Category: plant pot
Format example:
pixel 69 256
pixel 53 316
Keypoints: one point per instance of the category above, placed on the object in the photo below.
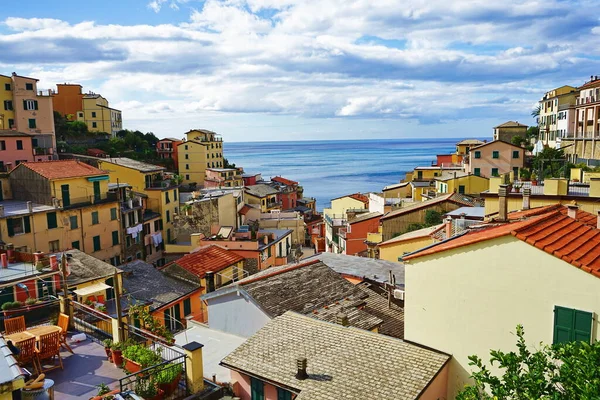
pixel 131 366
pixel 534 182
pixel 108 353
pixel 104 396
pixel 117 356
pixel 169 388
pixel 158 396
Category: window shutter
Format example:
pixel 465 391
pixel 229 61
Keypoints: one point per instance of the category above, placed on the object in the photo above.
pixel 563 320
pixel 27 224
pixel 582 326
pixel 9 226
pixel 187 307
pixel 24 104
pixel 35 104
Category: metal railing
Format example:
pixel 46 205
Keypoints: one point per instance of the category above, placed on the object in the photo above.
pixel 93 323
pixel 43 312
pixel 87 200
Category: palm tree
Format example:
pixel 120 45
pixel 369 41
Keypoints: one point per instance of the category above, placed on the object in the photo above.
pixel 535 113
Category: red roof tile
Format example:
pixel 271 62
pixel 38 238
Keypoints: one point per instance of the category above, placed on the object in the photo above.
pixel 63 169
pixel 210 258
pixel 244 210
pixel 284 181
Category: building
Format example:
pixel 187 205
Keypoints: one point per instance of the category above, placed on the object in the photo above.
pixel 295 356
pixel 352 238
pixel 12 378
pixel 263 195
pixel 153 236
pixel 167 149
pixel 394 248
pixel 464 146
pixel 201 149
pixel 68 100
pixel 148 179
pixel 28 110
pixel 58 205
pixel 222 177
pixel 200 214
pixel 550 114
pixel 288 192
pixel 456 283
pixel 251 179
pixel 131 215
pixel 496 158
pixel 462 183
pixel 211 267
pixel 508 130
pixel 169 298
pixel 17 147
pixel 336 217
pixel 285 220
pixel 310 288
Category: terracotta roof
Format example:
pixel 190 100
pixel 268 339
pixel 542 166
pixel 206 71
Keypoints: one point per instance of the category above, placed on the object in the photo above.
pixel 592 83
pixel 285 181
pixel 355 196
pixel 209 258
pixel 572 240
pixel 244 210
pixel 470 141
pixel 498 141
pixel 460 199
pixel 62 169
pixel 510 124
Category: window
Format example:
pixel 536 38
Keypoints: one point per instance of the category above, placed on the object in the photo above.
pixel 113 214
pixel 51 219
pixel 283 394
pixel 572 325
pixel 96 240
pixel 94 125
pixel 19 145
pixel 257 389
pixel 73 222
pixel 187 177
pixel 8 105
pixel 93 114
pixel 167 200
pixel 95 219
pixel 168 216
pixel 75 245
pixel 187 307
pixel 208 165
pixel 477 154
pixel 54 246
pixel 32 124
pixel 461 189
pixel 187 166
pixel 29 86
pixel 495 172
pixel 7 86
pixel 516 172
pixel 477 172
pixel 175 194
pixel 18 226
pixel 186 146
pixel 115 238
pixel 516 153
pixel 80 115
pixel 187 156
pixel 128 241
pixel 495 154
pixel 11 123
pixel 2 145
pixel 34 142
pixel 269 251
pixel 30 105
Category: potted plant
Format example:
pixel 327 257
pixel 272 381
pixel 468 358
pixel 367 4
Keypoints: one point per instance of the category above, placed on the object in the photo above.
pixel 138 357
pixel 11 308
pixel 168 378
pixel 130 199
pixel 107 345
pixel 30 301
pixel 105 393
pixel 534 177
pixel 117 353
pixel 101 308
pixel 147 389
pixel 517 187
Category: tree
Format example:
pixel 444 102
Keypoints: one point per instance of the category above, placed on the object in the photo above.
pixel 226 164
pixel 550 162
pixel 535 113
pixel 560 372
pixel 518 140
pixel 432 217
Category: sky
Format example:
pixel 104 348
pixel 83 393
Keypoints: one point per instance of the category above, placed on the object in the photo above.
pixel 261 70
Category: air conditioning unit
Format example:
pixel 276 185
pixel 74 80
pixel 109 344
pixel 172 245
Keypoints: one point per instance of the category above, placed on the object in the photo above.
pixel 399 294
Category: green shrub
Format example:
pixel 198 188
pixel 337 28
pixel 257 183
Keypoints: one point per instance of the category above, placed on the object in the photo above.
pixel 11 305
pixel 142 355
pixel 169 373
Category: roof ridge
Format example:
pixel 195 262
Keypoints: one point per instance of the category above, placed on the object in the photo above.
pixel 278 272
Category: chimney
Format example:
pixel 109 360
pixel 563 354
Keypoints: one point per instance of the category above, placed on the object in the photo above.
pixel 210 281
pixel 448 227
pixel 29 207
pixel 572 210
pixel 502 202
pixel 526 198
pixel 301 363
pixel 4 258
pixel 341 319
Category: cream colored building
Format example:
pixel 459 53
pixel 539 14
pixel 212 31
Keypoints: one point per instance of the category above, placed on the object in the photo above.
pixel 98 116
pixel 549 118
pixel 202 149
pixel 466 295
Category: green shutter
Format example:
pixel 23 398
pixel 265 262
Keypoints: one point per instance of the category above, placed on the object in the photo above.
pixel 96 243
pixel 35 104
pixel 283 394
pixel 115 237
pixel 27 224
pixel 95 218
pixel 582 326
pixel 572 325
pixel 187 307
pixel 24 104
pixel 477 171
pixel 113 214
pixel 257 389
pixel 177 309
pixel 9 226
pixel 167 317
pixel 51 219
pixel 75 245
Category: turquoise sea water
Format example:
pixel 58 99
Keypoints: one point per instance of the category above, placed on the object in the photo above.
pixel 333 168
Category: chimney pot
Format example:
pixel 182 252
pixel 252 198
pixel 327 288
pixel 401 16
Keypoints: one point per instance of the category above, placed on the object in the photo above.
pixel 342 319
pixel 301 363
pixel 502 202
pixel 210 281
pixel 526 198
pixel 572 210
pixel 448 227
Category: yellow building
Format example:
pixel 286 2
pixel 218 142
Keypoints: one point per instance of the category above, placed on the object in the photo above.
pixel 336 217
pixel 468 294
pixel 464 146
pixel 549 109
pixel 202 149
pixel 462 183
pixel 263 195
pixel 98 116
pixel 7 113
pixel 392 249
pixel 149 179
pixel 58 205
pixel 508 130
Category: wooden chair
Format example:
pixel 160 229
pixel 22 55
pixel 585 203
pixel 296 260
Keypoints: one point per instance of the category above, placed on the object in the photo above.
pixel 63 323
pixel 27 353
pixel 14 325
pixel 49 348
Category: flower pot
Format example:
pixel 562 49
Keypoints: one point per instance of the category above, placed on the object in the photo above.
pixel 158 396
pixel 534 182
pixel 117 356
pixel 132 366
pixel 169 388
pixel 107 395
pixel 108 353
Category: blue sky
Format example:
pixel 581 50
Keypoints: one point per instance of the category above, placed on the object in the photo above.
pixel 258 70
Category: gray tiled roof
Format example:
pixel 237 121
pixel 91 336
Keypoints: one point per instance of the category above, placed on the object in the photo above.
pixel 9 369
pixel 261 190
pixel 85 268
pixel 134 164
pixel 343 362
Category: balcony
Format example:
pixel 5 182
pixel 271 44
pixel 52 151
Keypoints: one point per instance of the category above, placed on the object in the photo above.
pixel 78 202
pixel 40 151
pixel 165 150
pixel 336 220
pixel 131 204
pixel 166 184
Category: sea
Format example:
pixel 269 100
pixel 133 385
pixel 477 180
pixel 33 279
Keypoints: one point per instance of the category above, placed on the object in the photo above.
pixel 332 168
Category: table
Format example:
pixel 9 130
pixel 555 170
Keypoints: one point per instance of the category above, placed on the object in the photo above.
pixel 32 332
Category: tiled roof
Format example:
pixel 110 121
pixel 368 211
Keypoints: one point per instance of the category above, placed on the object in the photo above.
pixel 134 164
pixel 419 233
pixel 284 181
pixel 456 198
pixel 498 141
pixel 572 240
pixel 510 124
pixel 365 216
pixel 356 196
pixel 244 210
pixel 261 190
pixel 9 368
pixel 209 258
pixel 470 142
pixel 342 362
pixel 591 83
pixel 62 169
pixel 395 186
pixel 13 133
pixel 85 268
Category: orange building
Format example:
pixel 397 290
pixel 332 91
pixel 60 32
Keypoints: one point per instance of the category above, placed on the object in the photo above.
pixel 68 100
pixel 353 237
pixel 167 149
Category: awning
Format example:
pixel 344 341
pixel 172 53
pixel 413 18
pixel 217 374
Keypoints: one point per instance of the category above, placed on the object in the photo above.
pixel 95 288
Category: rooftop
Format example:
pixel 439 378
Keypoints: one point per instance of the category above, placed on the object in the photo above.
pixel 439 168
pixel 420 183
pixel 287 182
pixel 470 142
pixel 449 175
pixel 395 186
pixel 222 169
pixel 261 190
pixel 396 369
pixel 146 283
pixel 13 133
pixel 62 169
pixel 365 216
pixel 14 208
pixel 500 142
pixel 460 199
pixel 511 124
pixel 9 369
pixel 469 212
pixel 85 268
pixel 417 234
pixel 207 258
pixel 134 164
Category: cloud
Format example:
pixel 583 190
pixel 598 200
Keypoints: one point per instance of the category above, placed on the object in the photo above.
pixel 416 61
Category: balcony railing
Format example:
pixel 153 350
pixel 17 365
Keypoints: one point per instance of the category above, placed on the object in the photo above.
pixel 87 200
pixel 160 184
pixel 40 151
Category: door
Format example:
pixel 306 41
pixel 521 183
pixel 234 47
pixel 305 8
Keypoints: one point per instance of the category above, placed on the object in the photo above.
pixel 66 196
pixel 110 293
pixel 177 321
pixel 96 191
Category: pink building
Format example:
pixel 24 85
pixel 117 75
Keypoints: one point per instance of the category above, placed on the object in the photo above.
pixel 17 147
pixel 222 177
pixel 495 158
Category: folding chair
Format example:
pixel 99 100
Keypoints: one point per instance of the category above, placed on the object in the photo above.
pixel 49 348
pixel 14 325
pixel 27 353
pixel 63 323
